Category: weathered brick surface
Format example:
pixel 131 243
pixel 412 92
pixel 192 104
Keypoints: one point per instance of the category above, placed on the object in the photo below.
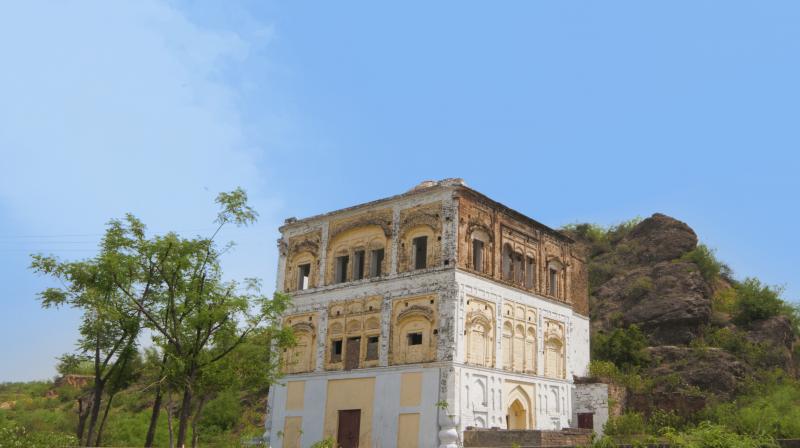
pixel 495 438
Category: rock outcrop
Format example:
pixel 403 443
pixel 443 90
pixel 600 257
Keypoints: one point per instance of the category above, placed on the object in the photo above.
pixel 640 276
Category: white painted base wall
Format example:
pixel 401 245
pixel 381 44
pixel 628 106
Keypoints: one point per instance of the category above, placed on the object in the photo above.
pixel 386 406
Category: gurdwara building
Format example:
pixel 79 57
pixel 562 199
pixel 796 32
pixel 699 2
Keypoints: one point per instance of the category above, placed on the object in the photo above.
pixel 422 314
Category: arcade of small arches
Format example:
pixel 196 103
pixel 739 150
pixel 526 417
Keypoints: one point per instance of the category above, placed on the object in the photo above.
pixel 353 338
pixel 361 248
pixel 519 346
pixel 519 261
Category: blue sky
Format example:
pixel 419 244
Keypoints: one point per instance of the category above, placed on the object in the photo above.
pixel 566 111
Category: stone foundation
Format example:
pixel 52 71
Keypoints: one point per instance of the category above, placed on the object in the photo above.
pixel 501 438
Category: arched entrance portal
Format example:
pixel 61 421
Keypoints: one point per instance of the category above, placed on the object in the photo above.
pixel 517 416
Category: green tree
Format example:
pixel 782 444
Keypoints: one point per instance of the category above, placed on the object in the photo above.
pixel 624 347
pixel 173 286
pixel 108 326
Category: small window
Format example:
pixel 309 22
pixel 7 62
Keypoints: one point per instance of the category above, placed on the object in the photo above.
pixel 553 282
pixel 519 273
pixel 340 274
pixel 336 351
pixel 414 338
pixel 506 263
pixel 303 275
pixel 358 265
pixel 530 273
pixel 420 245
pixel 372 348
pixel 376 263
pixel 477 255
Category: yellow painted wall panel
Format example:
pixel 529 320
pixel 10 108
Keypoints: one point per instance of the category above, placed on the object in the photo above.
pixel 411 389
pixel 295 395
pixel 292 432
pixel 408 431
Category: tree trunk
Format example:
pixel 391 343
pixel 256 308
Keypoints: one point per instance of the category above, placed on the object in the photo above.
pixel 103 421
pixel 169 421
pixel 151 431
pixel 195 434
pixel 96 401
pixel 183 419
pixel 83 414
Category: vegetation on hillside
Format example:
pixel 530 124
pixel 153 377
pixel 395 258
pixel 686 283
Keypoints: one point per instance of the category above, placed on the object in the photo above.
pixel 749 321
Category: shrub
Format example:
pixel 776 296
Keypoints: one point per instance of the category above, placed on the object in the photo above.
pixel 222 413
pixel 705 260
pixel 724 300
pixel 639 288
pixel 771 406
pixel 327 442
pixel 709 435
pixel 624 347
pixel 19 437
pixel 627 424
pixel 756 301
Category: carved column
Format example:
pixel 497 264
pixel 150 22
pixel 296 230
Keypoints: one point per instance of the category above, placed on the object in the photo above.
pixel 448 411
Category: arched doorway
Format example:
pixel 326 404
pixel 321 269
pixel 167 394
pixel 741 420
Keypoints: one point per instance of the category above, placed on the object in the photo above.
pixel 517 416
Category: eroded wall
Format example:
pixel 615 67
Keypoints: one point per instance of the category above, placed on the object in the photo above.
pixel 520 253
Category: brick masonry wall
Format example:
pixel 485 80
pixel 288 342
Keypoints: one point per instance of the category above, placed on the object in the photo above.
pixel 492 438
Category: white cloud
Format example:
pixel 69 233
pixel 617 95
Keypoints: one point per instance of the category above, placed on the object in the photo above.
pixel 109 107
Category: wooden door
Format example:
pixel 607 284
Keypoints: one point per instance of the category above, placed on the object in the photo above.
pixel 352 354
pixel 349 427
pixel 586 420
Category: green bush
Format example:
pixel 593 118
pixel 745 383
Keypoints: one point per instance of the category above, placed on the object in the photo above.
pixel 771 406
pixel 756 301
pixel 20 437
pixel 710 268
pixel 709 435
pixel 639 288
pixel 627 424
pixel 623 346
pixel 222 413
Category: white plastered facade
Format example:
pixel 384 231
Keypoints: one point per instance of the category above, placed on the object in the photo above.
pixel 454 395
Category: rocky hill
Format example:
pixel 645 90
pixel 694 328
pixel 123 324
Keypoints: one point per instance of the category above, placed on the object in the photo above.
pixel 666 311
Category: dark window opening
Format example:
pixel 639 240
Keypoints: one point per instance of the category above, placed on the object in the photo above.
pixel 376 263
pixel 372 348
pixel 530 276
pixel 358 265
pixel 340 273
pixel 420 245
pixel 303 276
pixel 553 282
pixel 518 272
pixel 506 263
pixel 477 255
pixel 414 338
pixel 336 351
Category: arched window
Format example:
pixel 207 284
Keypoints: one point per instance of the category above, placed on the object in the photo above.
pixel 300 357
pixel 356 253
pixel 480 244
pixel 506 264
pixel 519 349
pixel 413 337
pixel 530 272
pixel 554 358
pixel 530 351
pixel 508 335
pixel 479 341
pixel 554 286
